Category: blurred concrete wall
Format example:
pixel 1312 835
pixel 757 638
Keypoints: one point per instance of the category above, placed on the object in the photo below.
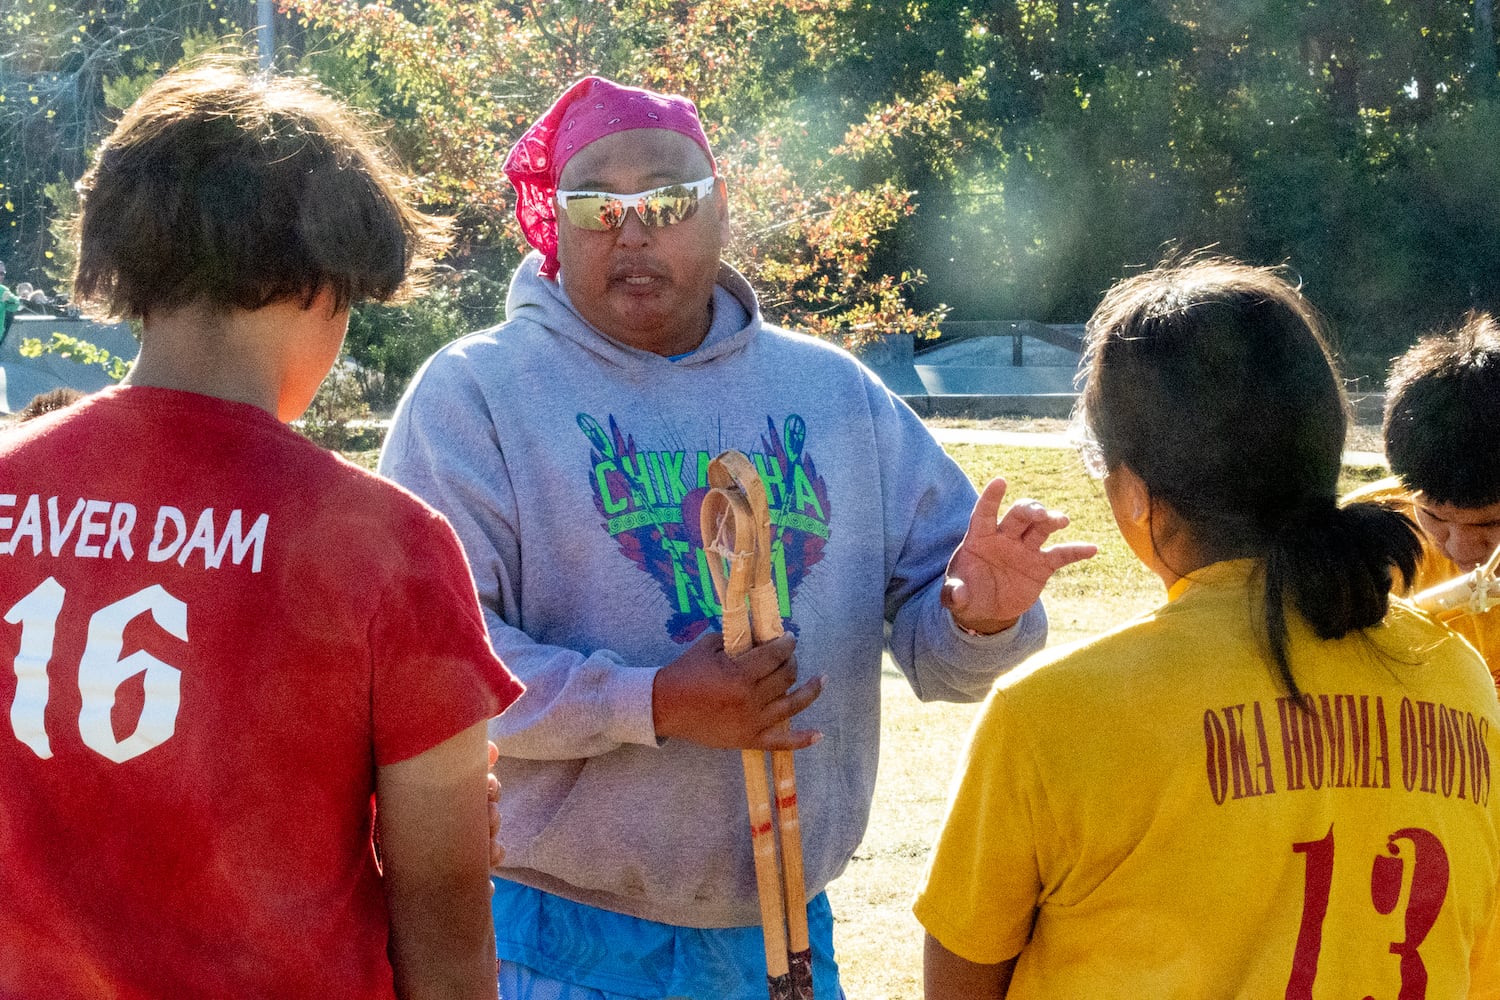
pixel 22 378
pixel 983 369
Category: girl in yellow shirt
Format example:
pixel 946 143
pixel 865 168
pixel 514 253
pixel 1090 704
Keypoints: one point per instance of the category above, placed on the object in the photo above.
pixel 1279 783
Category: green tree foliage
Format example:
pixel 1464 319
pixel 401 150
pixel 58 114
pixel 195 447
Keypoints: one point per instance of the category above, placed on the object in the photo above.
pixel 1021 154
pixel 1349 138
pixel 338 416
pixel 389 343
pixel 463 80
pixel 76 349
pixel 63 67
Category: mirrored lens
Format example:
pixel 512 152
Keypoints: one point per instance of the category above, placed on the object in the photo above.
pixel 594 211
pixel 667 206
pixel 663 206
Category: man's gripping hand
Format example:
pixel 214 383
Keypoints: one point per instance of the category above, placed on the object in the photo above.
pixel 492 796
pixel 738 703
pixel 1000 567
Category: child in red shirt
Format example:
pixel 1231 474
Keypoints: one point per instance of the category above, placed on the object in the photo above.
pixel 223 639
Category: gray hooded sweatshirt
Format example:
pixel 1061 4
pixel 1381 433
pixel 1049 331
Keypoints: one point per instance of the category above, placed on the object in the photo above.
pixel 565 461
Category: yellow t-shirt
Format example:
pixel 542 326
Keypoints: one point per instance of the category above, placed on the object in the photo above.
pixel 1482 631
pixel 1148 815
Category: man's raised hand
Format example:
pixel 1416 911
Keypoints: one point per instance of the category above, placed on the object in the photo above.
pixel 1001 565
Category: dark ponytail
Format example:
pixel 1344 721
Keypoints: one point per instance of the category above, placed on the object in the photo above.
pixel 1212 382
pixel 1334 565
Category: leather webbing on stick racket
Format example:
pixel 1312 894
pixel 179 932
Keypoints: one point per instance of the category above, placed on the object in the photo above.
pixel 738 496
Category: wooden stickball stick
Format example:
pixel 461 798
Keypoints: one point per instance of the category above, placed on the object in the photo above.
pixel 779 984
pixel 789 827
pixel 1474 592
pixel 738 495
pixel 729 537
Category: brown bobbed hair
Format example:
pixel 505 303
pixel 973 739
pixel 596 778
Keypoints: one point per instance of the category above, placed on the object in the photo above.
pixel 1441 403
pixel 1212 381
pixel 222 189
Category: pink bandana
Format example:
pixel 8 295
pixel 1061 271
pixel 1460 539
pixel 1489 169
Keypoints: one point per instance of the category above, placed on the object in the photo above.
pixel 590 109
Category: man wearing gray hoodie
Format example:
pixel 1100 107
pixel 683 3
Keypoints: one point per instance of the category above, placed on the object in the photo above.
pixel 565 444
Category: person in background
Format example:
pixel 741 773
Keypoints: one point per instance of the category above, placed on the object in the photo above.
pixel 10 304
pixel 1441 399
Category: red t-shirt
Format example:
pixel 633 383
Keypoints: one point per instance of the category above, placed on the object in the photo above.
pixel 211 634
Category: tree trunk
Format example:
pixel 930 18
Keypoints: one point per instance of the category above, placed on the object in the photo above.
pixel 1484 47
